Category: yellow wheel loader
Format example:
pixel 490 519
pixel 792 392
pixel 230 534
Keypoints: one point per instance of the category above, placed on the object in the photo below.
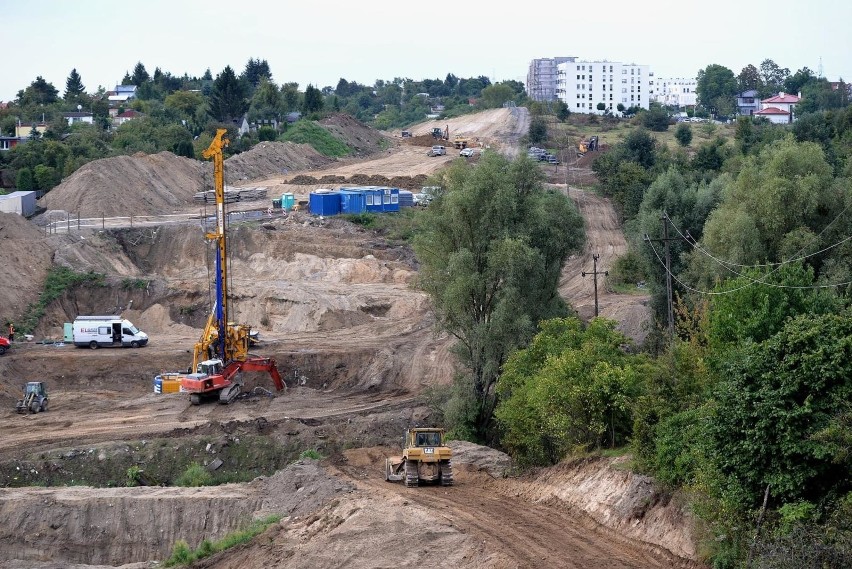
pixel 34 400
pixel 425 458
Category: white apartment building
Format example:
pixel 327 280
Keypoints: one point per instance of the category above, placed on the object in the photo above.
pixel 541 78
pixel 582 85
pixel 676 92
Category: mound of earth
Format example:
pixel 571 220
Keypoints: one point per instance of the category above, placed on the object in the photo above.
pixel 271 158
pixel 363 139
pixel 142 184
pixel 403 182
pixel 27 257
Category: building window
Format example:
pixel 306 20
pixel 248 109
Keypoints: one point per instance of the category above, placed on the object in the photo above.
pixel 624 72
pixel 578 77
pixel 610 98
pixel 631 97
pixel 590 68
pixel 584 68
pixel 632 70
pixel 578 105
pixel 610 70
pixel 624 89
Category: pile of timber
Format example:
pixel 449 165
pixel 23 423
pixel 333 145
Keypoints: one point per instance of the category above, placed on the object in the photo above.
pixel 233 195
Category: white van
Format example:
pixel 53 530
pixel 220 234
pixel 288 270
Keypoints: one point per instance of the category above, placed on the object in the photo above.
pixel 107 331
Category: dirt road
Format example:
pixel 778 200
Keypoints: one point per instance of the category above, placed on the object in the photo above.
pixel 604 238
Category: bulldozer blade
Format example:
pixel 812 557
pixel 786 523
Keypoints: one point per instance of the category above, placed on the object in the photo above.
pixel 394 471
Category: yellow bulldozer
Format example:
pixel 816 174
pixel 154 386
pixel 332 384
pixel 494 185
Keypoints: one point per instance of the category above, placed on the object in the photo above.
pixel 461 142
pixel 425 458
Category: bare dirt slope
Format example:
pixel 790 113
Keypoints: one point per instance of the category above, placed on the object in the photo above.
pixel 26 258
pixel 337 308
pixel 604 238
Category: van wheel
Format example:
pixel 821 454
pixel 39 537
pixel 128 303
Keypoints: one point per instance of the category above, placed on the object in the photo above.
pixel 93 345
pixel 2 350
pixel 134 344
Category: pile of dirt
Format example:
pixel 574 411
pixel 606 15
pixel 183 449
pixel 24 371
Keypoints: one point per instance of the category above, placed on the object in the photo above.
pixel 272 158
pixel 402 182
pixel 358 136
pixel 426 140
pixel 142 184
pixel 26 257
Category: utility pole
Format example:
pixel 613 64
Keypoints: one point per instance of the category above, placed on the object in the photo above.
pixel 595 273
pixel 666 240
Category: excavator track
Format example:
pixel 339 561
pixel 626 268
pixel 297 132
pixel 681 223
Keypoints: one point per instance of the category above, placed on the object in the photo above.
pixel 446 473
pixel 412 477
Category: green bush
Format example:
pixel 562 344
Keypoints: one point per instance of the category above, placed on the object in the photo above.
pixel 194 475
pixel 683 134
pixel 311 454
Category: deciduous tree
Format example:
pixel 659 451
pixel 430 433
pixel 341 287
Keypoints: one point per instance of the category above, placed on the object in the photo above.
pixel 716 83
pixel 491 252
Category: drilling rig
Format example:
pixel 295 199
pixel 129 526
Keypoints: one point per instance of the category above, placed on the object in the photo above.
pixel 222 353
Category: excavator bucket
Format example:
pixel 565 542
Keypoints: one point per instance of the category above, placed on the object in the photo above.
pixel 394 469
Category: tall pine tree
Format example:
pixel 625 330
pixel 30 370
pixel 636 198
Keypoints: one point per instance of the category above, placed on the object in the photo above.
pixel 74 89
pixel 227 101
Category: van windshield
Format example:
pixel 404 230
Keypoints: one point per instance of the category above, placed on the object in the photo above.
pixel 128 326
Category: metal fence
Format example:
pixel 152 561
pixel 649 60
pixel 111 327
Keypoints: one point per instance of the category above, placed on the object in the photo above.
pixel 75 224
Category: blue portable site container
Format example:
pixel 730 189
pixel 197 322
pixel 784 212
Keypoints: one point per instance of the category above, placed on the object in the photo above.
pixel 288 200
pixel 352 201
pixel 390 199
pixel 324 203
pixel 373 196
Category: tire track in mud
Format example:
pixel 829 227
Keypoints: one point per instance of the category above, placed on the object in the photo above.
pixel 547 534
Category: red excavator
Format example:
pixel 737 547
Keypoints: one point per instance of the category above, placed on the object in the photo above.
pixel 221 355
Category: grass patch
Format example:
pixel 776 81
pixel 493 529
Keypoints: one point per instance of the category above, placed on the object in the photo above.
pixel 182 554
pixel 309 132
pixel 128 284
pixel 311 454
pixel 195 475
pixel 58 280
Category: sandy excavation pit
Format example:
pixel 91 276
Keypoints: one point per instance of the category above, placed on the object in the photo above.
pixel 337 308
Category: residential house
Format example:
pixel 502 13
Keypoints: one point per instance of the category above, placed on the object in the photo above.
pixel 748 103
pixel 8 142
pixel 78 118
pixel 23 130
pixel 121 95
pixel 127 115
pixel 779 109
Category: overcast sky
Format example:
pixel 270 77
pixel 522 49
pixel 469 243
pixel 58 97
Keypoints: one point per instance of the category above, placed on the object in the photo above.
pixel 318 42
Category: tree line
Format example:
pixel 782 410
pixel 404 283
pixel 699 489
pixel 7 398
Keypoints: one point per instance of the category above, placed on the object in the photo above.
pixel 181 113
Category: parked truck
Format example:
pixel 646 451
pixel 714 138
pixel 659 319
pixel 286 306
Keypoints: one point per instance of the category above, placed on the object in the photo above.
pixel 107 331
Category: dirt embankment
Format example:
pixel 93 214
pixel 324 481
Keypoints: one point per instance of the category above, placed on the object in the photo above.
pixel 26 257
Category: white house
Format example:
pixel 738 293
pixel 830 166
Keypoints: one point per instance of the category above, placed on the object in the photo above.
pixel 779 109
pixel 78 118
pixel 676 91
pixel 583 85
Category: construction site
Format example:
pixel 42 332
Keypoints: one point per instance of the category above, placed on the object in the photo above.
pixel 344 355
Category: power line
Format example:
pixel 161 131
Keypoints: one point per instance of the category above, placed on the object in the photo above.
pixel 751 282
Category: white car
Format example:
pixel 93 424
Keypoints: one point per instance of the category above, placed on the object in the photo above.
pixel 467 152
